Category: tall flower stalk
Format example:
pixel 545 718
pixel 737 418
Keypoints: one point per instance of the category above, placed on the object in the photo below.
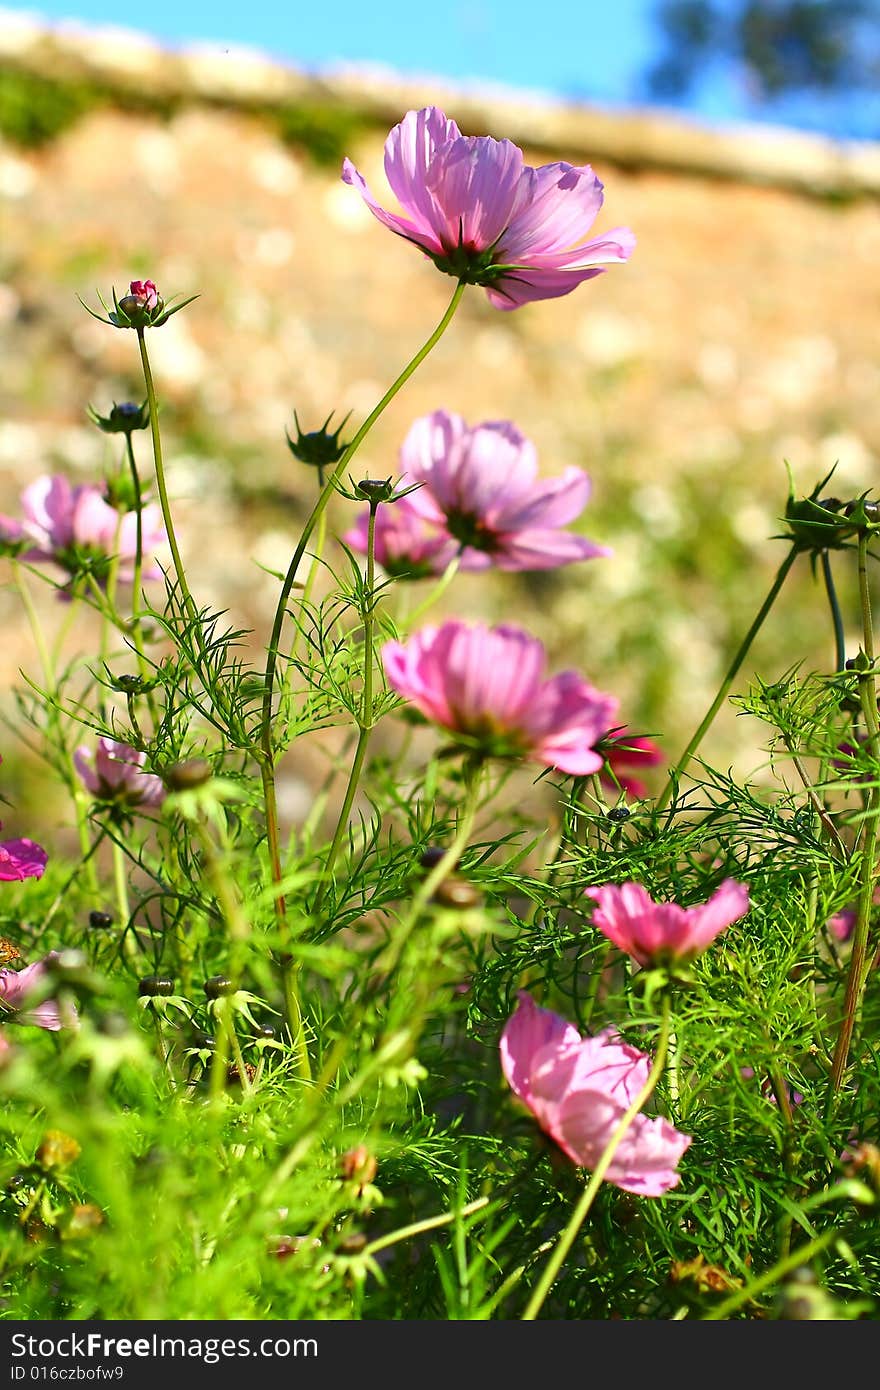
pixel 730 675
pixel 266 754
pixel 858 966
pixel 161 487
pixel 377 492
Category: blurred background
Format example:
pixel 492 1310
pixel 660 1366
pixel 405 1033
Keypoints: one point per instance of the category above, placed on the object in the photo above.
pixel 736 139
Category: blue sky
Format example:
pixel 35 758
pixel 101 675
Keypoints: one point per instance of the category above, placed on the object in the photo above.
pixel 590 50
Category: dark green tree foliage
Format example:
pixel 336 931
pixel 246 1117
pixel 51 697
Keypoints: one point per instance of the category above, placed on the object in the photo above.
pixel 783 46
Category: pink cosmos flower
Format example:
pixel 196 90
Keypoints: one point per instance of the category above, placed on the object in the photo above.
pixel 483 215
pixel 406 545
pixel 579 1089
pixel 145 292
pixel 17 985
pixel 480 494
pixel 113 773
pixel 660 933
pixel 623 750
pixel 76 527
pixel 20 859
pixel 488 685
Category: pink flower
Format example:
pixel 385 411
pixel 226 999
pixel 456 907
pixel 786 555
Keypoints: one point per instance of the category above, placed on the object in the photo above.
pixel 623 750
pixel 17 985
pixel 76 528
pixel 483 215
pixel 488 685
pixel 406 545
pixel 660 933
pixel 113 773
pixel 579 1089
pixel 480 494
pixel 20 859
pixel 145 292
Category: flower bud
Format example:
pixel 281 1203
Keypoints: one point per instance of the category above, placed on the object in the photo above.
pixel 8 951
pixel 195 772
pixel 375 490
pixel 123 418
pixel 57 1149
pixel 456 892
pixel 318 448
pixel 358 1165
pixel 216 985
pixel 352 1244
pixel 151 985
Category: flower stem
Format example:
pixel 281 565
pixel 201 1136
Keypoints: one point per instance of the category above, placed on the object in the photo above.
pixel 858 972
pixel 836 615
pixel 729 677
pixel 365 723
pixel 265 753
pixel 265 732
pixel 160 480
pixel 431 1223
pixel 567 1239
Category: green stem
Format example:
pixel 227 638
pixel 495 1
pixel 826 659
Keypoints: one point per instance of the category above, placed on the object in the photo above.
pixel 836 615
pixel 567 1239
pixel 123 907
pixel 431 1223
pixel 265 733
pixel 160 481
pixel 309 586
pixel 139 539
pixel 858 970
pixel 729 677
pixel 365 723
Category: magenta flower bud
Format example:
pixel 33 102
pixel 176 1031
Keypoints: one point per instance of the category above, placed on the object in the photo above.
pixel 488 685
pixel 482 214
pixel 579 1089
pixel 113 773
pixel 658 934
pixel 145 292
pixel 17 986
pixel 478 492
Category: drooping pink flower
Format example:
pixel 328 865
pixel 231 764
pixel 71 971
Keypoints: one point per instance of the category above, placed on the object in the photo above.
pixel 487 685
pixel 482 214
pixel 145 292
pixel 17 985
pixel 579 1089
pixel 623 750
pixel 663 933
pixel 113 773
pixel 78 529
pixel 479 492
pixel 21 859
